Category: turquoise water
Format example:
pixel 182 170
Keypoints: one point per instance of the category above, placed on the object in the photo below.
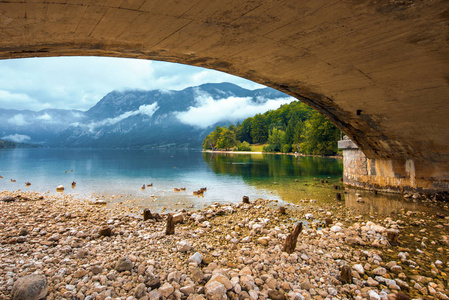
pixel 106 173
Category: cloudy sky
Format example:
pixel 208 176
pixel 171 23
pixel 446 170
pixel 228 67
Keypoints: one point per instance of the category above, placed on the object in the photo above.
pixel 80 82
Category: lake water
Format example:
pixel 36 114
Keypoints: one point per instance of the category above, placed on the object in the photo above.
pixel 100 173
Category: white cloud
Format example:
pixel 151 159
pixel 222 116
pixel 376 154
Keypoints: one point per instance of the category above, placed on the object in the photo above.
pixel 45 117
pixel 18 138
pixel 80 82
pixel 209 111
pixel 16 99
pixel 147 110
pixel 18 120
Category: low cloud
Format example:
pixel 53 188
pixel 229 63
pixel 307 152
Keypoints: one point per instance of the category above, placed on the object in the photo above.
pixel 18 120
pixel 80 82
pixel 209 111
pixel 147 110
pixel 17 138
pixel 45 117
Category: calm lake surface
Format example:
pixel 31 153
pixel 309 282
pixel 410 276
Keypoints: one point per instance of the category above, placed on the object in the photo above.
pixel 103 173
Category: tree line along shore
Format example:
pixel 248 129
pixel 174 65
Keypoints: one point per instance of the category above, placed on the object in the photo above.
pixel 293 128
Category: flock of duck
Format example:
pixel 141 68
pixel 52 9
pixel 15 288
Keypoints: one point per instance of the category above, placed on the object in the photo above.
pixel 60 188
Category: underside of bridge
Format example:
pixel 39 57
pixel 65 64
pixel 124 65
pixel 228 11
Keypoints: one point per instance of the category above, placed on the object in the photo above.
pixel 379 69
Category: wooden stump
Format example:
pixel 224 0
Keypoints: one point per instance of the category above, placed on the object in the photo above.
pixel 393 236
pixel 246 199
pixel 290 242
pixel 282 210
pixel 338 196
pixel 170 225
pixel 147 215
pixel 346 274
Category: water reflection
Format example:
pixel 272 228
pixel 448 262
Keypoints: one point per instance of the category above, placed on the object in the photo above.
pixel 256 166
pixel 368 202
pixel 291 177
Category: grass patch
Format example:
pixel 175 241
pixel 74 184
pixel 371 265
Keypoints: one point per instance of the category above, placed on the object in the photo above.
pixel 257 147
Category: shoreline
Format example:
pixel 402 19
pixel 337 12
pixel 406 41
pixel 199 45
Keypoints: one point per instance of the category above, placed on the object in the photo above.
pixel 240 246
pixel 277 153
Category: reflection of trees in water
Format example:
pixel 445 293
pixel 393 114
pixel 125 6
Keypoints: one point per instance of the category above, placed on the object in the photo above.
pixel 259 166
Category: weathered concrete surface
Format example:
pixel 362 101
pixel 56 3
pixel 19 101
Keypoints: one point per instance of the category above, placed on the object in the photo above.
pixel 389 175
pixel 377 69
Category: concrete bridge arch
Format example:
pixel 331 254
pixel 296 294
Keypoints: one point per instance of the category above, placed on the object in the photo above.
pixel 378 69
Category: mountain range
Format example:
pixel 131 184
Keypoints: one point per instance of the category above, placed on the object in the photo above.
pixel 141 119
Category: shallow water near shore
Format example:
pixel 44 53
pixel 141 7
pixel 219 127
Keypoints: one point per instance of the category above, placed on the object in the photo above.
pixel 121 173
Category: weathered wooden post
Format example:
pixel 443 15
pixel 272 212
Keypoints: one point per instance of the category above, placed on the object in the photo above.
pixel 147 214
pixel 170 225
pixel 282 210
pixel 290 242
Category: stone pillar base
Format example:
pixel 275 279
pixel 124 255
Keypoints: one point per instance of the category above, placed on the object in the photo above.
pixel 388 175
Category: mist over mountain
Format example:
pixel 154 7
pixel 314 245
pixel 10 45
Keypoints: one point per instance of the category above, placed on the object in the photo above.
pixel 41 127
pixel 142 119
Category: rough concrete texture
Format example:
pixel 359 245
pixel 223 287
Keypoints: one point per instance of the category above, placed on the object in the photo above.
pixel 378 69
pixel 390 175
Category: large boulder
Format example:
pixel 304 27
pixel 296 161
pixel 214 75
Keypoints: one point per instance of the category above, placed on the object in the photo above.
pixel 31 287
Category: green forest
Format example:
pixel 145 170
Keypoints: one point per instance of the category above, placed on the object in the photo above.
pixel 11 145
pixel 293 127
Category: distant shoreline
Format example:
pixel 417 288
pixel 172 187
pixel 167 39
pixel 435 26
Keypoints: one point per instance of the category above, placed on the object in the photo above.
pixel 278 153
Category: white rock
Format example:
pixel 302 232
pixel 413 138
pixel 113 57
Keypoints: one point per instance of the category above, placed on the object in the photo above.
pixel 196 258
pixel 331 291
pixel 359 268
pixel 183 246
pixel 336 228
pixel 246 239
pixel 373 295
pixel 178 218
pixel 308 216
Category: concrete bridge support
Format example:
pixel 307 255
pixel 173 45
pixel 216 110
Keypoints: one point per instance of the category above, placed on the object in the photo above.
pixel 391 175
pixel 378 69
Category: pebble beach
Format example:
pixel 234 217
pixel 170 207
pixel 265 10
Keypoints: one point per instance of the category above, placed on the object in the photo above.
pixel 61 247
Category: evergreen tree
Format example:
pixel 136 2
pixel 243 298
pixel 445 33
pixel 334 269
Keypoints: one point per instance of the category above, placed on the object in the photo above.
pixel 259 129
